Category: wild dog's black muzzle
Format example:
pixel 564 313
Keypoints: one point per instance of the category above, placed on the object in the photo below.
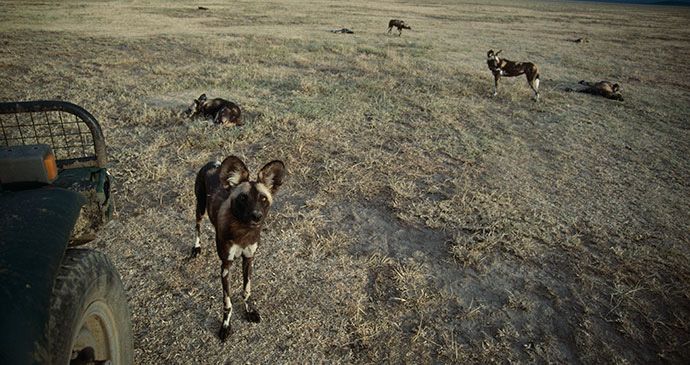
pixel 256 216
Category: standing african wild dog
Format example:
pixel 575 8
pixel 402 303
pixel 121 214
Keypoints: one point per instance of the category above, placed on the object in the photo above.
pixel 603 88
pixel 237 207
pixel 220 110
pixel 502 67
pixel 398 24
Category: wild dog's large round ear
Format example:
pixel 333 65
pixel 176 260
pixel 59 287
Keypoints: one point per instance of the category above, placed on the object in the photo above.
pixel 615 88
pixel 272 175
pixel 202 97
pixel 490 54
pixel 232 172
pixel 499 51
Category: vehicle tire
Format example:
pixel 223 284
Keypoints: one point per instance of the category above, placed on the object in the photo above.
pixel 89 316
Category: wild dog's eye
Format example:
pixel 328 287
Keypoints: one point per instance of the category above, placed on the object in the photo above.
pixel 242 197
pixel 264 199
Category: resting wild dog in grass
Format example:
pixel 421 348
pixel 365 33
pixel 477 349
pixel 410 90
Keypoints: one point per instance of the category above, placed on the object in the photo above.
pixel 603 88
pixel 398 24
pixel 237 208
pixel 220 110
pixel 502 67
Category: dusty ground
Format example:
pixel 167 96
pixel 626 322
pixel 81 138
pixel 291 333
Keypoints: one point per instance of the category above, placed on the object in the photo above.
pixel 422 221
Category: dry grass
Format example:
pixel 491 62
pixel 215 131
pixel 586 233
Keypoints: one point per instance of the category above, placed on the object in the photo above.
pixel 422 220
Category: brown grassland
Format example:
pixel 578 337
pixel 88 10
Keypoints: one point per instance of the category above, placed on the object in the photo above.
pixel 422 220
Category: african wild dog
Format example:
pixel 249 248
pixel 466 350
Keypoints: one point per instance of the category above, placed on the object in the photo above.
pixel 603 88
pixel 502 67
pixel 398 24
pixel 220 110
pixel 343 30
pixel 237 208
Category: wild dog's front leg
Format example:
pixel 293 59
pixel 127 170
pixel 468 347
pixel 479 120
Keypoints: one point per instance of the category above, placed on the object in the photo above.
pixel 196 250
pixel 225 328
pixel 533 81
pixel 247 268
pixel 497 79
pixel 200 192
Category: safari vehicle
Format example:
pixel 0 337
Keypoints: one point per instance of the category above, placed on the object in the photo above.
pixel 59 304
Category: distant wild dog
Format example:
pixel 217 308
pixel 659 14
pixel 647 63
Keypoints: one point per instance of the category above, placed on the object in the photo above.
pixel 581 40
pixel 603 88
pixel 502 67
pixel 237 207
pixel 221 111
pixel 343 30
pixel 398 24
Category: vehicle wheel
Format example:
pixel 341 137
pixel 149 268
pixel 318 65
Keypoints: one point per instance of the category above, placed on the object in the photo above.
pixel 89 316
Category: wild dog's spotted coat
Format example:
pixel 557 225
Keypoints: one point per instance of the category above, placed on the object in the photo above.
pixel 237 208
pixel 502 67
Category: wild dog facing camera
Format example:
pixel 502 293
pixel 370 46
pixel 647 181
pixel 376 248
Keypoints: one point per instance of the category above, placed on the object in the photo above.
pixel 237 208
pixel 250 201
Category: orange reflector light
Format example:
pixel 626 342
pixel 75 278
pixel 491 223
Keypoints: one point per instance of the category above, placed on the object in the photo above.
pixel 51 167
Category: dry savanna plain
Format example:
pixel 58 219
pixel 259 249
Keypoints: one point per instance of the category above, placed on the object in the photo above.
pixel 422 220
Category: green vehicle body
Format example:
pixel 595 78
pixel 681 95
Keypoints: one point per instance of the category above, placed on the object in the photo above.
pixel 36 227
pixel 38 222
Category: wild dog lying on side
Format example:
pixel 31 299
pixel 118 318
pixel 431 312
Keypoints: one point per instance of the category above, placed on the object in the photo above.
pixel 237 208
pixel 220 110
pixel 398 24
pixel 502 67
pixel 343 30
pixel 603 88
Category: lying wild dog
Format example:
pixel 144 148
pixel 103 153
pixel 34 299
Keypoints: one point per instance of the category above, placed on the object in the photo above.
pixel 343 30
pixel 237 208
pixel 581 40
pixel 220 110
pixel 603 88
pixel 398 24
pixel 502 67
